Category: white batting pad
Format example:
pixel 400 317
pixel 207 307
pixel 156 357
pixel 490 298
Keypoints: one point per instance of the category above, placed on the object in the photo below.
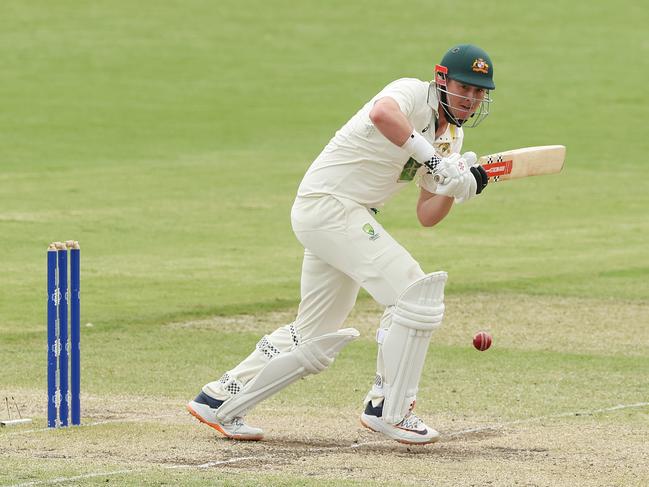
pixel 417 313
pixel 306 357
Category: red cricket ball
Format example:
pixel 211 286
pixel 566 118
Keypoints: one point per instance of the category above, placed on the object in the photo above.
pixel 482 340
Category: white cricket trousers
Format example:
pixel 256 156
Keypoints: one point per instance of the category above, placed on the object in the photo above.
pixel 345 248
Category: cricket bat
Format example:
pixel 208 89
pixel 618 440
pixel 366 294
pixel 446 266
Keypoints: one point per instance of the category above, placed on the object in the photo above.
pixel 521 163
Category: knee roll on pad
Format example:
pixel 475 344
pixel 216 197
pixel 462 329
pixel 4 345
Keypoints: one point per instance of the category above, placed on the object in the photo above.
pixel 285 367
pixel 418 312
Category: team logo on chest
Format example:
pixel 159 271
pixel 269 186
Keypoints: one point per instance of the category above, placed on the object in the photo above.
pixel 444 148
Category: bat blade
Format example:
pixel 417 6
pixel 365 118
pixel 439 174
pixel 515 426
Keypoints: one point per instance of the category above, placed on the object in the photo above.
pixel 521 163
pixel 525 162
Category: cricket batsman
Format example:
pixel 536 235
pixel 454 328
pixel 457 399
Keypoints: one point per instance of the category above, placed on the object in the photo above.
pixel 411 130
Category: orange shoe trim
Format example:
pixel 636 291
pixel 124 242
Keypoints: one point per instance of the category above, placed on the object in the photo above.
pixel 218 428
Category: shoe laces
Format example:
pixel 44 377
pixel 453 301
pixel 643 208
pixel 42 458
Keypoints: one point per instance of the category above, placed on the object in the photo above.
pixel 411 422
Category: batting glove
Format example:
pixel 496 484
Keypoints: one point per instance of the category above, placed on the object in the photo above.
pixel 480 176
pixel 457 179
pixel 467 179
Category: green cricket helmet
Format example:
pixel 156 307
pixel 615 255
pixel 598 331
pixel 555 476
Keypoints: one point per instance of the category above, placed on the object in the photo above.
pixel 470 65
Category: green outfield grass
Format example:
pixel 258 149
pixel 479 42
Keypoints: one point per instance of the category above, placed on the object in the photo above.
pixel 169 138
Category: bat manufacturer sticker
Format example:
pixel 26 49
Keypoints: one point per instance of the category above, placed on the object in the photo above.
pixel 498 167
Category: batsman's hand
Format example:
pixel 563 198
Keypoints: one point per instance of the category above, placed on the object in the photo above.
pixel 454 166
pixel 461 178
pixel 455 178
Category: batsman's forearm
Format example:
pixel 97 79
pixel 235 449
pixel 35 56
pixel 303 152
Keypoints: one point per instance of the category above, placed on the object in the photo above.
pixel 433 209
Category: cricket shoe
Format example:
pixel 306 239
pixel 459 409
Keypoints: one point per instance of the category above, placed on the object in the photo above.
pixel 411 430
pixel 204 409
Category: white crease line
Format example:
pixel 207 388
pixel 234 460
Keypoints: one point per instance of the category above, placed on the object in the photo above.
pixel 369 443
pixel 518 421
pixel 96 423
pixel 212 464
pixel 353 446
pixel 130 471
pixel 357 445
pixel 551 416
pixel 78 477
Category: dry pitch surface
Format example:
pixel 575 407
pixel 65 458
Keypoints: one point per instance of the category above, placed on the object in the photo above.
pixel 152 441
